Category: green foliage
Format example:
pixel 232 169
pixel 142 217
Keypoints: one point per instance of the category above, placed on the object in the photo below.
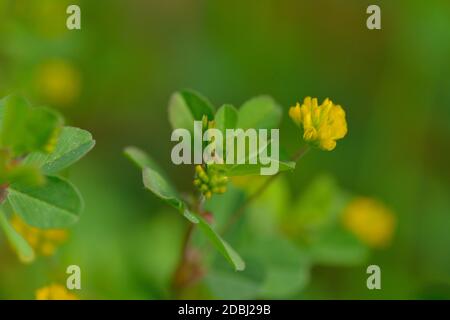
pixel 226 117
pixel 187 106
pixel 397 106
pixel 161 187
pixel 317 206
pixel 25 129
pixel 56 204
pixel 283 238
pixel 223 283
pixel 287 266
pixel 276 269
pixel 34 148
pixel 221 245
pixel 337 247
pixel 279 239
pixel 259 113
pixel 72 145
pixel 277 266
pixel 24 174
pixel 233 170
pixel 23 249
pixel 315 220
pixel 154 182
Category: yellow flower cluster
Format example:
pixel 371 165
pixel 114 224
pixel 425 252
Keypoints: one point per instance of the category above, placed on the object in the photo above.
pixel 370 221
pixel 209 181
pixel 54 292
pixel 44 242
pixel 322 124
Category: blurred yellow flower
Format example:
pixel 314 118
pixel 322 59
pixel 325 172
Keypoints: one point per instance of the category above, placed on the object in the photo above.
pixel 370 221
pixel 322 125
pixel 54 292
pixel 44 242
pixel 58 82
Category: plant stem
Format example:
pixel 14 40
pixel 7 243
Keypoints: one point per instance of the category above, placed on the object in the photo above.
pixel 179 279
pixel 300 153
pixel 240 211
pixel 3 192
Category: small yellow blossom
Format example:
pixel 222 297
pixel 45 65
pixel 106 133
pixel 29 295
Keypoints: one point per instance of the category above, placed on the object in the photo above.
pixel 322 124
pixel 370 221
pixel 54 292
pixel 44 242
pixel 58 82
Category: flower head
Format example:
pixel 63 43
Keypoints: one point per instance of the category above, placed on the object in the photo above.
pixel 370 221
pixel 322 124
pixel 44 242
pixel 54 292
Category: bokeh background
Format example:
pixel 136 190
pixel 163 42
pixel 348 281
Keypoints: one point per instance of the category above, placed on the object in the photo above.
pixel 114 78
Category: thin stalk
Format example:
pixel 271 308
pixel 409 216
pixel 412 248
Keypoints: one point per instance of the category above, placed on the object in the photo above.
pixel 178 280
pixel 3 192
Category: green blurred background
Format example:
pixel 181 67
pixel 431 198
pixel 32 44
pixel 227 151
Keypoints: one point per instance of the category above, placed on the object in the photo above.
pixel 114 78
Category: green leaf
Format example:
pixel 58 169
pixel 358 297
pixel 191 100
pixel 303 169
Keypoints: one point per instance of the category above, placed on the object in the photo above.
pixel 275 269
pixel 25 129
pixel 339 248
pixel 287 267
pixel 226 118
pixel 155 182
pixel 72 145
pixel 231 286
pixel 198 104
pixel 227 284
pixel 263 216
pixel 255 169
pixel 26 175
pixel 225 205
pixel 187 106
pixel 247 168
pixel 23 249
pixel 141 159
pixel 261 112
pixel 43 128
pixel 57 204
pixel 15 111
pixel 221 245
pixel 317 205
pixel 154 177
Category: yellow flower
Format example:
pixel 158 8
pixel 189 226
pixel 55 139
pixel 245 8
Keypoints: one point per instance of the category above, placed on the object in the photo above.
pixel 370 221
pixel 322 124
pixel 44 242
pixel 58 82
pixel 54 292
